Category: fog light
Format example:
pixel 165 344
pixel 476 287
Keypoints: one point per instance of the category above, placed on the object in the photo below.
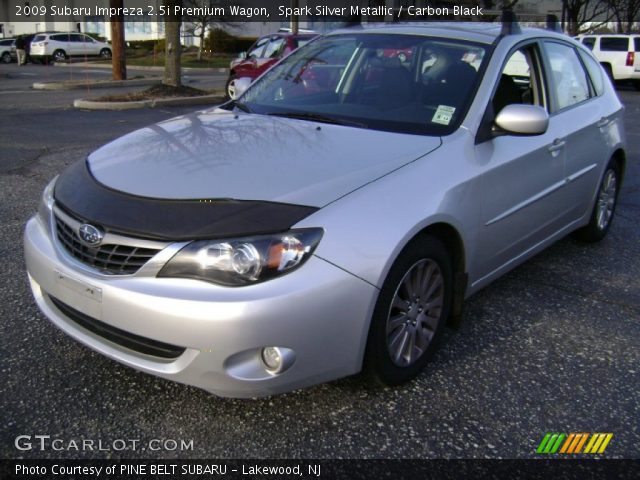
pixel 272 358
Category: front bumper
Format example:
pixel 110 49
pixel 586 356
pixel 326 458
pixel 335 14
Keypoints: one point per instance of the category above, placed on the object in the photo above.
pixel 319 311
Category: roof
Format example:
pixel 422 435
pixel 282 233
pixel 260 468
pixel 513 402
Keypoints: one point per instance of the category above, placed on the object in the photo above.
pixel 481 32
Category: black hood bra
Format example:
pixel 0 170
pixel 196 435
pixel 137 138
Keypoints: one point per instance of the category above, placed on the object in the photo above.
pixel 80 195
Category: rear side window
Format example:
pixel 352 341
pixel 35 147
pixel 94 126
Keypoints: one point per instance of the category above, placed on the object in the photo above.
pixel 595 72
pixel 6 42
pixel 274 47
pixel 39 38
pixel 614 44
pixel 589 42
pixel 258 48
pixel 567 75
pixel 636 44
pixel 60 38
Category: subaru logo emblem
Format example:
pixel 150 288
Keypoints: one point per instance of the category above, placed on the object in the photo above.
pixel 90 235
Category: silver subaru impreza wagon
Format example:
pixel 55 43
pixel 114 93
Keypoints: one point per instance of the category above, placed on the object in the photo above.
pixel 333 217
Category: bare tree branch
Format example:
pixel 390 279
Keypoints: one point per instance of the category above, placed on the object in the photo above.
pixel 206 18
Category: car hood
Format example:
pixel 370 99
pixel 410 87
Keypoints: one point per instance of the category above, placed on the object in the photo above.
pixel 216 154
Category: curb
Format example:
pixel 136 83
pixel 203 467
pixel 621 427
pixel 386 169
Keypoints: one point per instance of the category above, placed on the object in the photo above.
pixel 142 67
pixel 178 101
pixel 70 85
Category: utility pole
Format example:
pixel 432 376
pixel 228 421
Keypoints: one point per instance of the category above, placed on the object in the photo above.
pixel 118 60
pixel 295 21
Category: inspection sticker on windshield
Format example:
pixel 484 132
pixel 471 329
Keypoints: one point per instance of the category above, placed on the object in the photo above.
pixel 443 114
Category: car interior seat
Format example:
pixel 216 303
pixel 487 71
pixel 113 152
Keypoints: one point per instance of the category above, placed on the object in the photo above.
pixel 507 93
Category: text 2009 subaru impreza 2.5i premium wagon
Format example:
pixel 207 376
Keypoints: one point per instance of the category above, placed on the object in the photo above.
pixel 336 215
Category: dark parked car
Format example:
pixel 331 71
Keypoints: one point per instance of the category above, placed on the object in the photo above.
pixel 262 55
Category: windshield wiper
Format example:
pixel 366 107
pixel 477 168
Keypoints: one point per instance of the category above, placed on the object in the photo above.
pixel 317 118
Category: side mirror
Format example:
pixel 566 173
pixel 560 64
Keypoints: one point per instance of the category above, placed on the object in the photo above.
pixel 242 55
pixel 518 119
pixel 241 85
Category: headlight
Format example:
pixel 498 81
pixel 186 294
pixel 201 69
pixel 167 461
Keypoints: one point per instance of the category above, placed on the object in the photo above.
pixel 243 261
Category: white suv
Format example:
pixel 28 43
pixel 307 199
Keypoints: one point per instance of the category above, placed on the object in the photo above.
pixel 7 50
pixel 618 54
pixel 61 46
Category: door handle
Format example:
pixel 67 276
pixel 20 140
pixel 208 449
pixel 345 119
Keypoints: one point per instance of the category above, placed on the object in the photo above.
pixel 556 146
pixel 603 122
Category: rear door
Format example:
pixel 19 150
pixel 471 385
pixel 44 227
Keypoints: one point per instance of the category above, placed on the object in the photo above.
pixel 580 120
pixel 60 41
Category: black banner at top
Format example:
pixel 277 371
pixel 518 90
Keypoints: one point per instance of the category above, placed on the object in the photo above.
pixel 347 11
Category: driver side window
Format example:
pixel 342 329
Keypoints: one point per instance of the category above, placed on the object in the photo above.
pixel 520 81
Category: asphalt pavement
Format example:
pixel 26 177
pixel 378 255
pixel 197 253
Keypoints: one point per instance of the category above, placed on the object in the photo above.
pixel 550 347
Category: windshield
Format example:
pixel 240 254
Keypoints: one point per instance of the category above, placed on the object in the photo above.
pixel 400 83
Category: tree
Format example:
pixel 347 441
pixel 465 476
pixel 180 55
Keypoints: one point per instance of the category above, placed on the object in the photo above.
pixel 580 12
pixel 172 21
pixel 118 59
pixel 625 12
pixel 198 25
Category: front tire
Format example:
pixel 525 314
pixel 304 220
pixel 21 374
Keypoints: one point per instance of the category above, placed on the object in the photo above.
pixel 59 56
pixel 6 57
pixel 411 312
pixel 105 53
pixel 229 88
pixel 605 206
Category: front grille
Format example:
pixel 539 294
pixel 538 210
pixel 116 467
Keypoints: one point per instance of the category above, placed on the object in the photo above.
pixel 108 258
pixel 120 337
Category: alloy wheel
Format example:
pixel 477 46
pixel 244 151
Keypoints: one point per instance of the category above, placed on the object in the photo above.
pixel 231 89
pixel 606 199
pixel 415 312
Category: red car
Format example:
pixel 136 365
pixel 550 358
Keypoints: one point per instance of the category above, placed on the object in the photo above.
pixel 262 55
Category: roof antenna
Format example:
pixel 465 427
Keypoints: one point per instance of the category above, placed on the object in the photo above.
pixel 509 23
pixel 552 23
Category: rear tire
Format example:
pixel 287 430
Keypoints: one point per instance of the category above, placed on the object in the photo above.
pixel 605 206
pixel 609 71
pixel 6 57
pixel 411 312
pixel 59 56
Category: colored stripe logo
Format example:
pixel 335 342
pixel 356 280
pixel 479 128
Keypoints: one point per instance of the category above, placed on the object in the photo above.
pixel 594 443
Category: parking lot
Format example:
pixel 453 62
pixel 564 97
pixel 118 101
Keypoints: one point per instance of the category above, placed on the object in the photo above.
pixel 550 347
